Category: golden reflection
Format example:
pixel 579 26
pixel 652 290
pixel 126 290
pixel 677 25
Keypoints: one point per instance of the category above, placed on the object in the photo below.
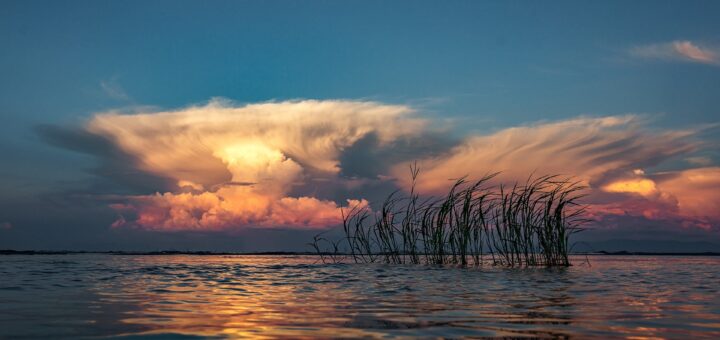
pixel 217 303
pixel 290 297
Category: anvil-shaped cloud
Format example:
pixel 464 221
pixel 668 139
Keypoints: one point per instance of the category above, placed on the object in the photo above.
pixel 238 166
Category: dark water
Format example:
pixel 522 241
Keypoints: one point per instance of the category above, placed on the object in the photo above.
pixel 80 296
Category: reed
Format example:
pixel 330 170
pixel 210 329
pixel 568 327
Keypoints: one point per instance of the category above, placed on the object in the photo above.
pixel 475 223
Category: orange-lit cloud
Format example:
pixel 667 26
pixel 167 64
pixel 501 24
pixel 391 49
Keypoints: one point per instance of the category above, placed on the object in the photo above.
pixel 697 192
pixel 235 166
pixel 640 186
pixel 588 148
pixel 203 144
pixel 227 209
pixel 607 154
pixel 261 165
pixel 690 197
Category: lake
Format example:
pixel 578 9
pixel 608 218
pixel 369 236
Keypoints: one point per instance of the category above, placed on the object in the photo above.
pixel 99 295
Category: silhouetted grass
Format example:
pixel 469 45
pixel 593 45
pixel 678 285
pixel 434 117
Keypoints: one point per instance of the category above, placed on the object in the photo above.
pixel 475 223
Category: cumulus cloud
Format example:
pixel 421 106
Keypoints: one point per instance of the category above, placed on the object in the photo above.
pixel 690 198
pixel 227 209
pixel 681 50
pixel 697 192
pixel 234 166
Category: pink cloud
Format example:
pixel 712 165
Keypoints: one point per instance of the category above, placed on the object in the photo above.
pixel 229 208
pixel 697 192
pixel 690 196
pixel 682 50
pixel 694 52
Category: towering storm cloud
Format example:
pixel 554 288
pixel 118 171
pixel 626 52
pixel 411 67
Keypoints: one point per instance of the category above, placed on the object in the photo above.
pixel 271 165
pixel 235 166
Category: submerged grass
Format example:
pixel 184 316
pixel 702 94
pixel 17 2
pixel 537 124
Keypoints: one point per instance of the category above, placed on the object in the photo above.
pixel 475 223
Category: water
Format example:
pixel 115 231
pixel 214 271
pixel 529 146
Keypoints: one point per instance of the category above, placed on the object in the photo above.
pixel 81 296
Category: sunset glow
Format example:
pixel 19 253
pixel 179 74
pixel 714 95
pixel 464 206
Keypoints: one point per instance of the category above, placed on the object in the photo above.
pixel 241 163
pixel 355 169
pixel 128 128
pixel 643 186
pixel 256 165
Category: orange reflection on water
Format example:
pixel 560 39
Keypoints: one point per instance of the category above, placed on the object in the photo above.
pixel 290 297
pixel 218 302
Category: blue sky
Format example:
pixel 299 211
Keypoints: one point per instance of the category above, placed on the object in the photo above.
pixel 478 66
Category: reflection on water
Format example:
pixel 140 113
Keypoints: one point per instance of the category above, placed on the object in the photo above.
pixel 70 296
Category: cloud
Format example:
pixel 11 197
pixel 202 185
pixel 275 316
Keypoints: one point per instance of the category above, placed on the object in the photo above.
pixel 607 153
pixel 227 209
pixel 698 160
pixel 588 148
pixel 115 171
pixel 234 166
pixel 681 50
pixel 641 186
pixel 697 192
pixel 222 166
pixel 689 198
pixel 5 225
pixel 113 89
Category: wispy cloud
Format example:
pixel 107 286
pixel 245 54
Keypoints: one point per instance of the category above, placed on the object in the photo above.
pixel 114 90
pixel 606 153
pixel 698 160
pixel 680 50
pixel 586 147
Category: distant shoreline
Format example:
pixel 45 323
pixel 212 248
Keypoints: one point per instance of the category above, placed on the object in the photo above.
pixel 282 253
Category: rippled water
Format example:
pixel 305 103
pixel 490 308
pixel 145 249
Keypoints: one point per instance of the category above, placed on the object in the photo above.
pixel 71 296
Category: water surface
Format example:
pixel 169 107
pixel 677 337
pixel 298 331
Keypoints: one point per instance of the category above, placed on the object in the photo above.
pixel 92 295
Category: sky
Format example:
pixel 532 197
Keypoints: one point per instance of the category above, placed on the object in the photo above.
pixel 244 126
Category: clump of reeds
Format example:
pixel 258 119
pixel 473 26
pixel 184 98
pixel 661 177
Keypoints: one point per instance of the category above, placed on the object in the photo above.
pixel 475 223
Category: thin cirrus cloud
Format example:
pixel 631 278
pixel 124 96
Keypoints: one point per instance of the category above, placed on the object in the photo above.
pixel 258 165
pixel 680 50
pixel 234 167
pixel 113 90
